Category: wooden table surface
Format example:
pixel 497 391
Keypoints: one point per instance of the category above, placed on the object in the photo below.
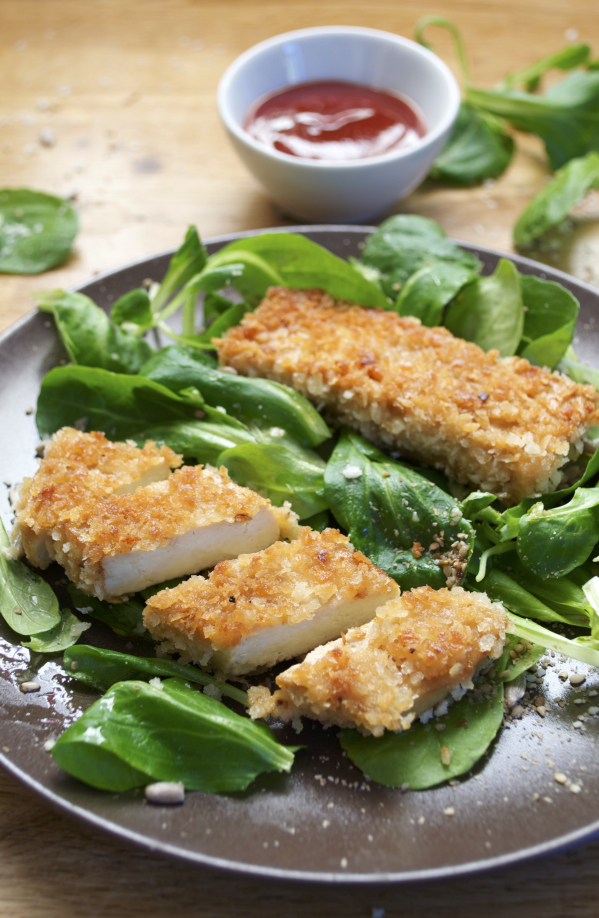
pixel 127 89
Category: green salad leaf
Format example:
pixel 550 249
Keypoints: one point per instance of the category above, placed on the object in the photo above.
pixel 100 669
pixel 509 668
pixel 478 148
pixel 27 603
pixel 406 242
pixel 584 649
pixel 36 231
pixel 403 522
pixel 117 404
pixel 412 759
pixel 579 372
pixel 292 260
pixel 280 474
pixel 89 336
pixel 247 398
pixel 553 542
pixel 554 202
pixel 65 634
pixel 427 292
pixel 125 618
pixel 203 441
pixel 133 309
pixel 138 732
pixel 489 312
pixel 550 313
pixel 189 259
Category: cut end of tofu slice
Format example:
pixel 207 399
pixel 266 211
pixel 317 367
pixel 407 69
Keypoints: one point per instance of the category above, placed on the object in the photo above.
pixel 418 650
pixel 118 521
pixel 270 606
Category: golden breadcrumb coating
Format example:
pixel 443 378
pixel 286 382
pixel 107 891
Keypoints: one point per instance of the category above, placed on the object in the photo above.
pixel 283 585
pixel 71 511
pixel 501 425
pixel 381 676
pixel 78 469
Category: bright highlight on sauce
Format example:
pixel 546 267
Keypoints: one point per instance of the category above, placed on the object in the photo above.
pixel 333 120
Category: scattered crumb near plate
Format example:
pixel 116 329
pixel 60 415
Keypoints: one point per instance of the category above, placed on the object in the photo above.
pixel 343 862
pixel 449 811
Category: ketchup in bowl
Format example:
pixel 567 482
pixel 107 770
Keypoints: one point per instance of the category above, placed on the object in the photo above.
pixel 334 120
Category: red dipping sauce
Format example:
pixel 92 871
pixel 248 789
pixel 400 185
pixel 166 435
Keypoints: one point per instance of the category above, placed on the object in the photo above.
pixel 333 120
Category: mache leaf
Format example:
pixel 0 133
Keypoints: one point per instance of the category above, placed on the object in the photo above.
pixel 412 759
pixel 36 231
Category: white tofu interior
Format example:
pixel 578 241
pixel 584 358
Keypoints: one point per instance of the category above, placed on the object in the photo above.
pixel 158 472
pixel 195 550
pixel 268 646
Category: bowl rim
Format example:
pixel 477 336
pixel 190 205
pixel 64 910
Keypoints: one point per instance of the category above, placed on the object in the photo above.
pixel 420 146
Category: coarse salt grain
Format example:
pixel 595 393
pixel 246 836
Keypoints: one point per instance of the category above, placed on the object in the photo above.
pixel 351 471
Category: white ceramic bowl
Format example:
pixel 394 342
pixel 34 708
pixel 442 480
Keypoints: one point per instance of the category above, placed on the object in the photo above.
pixel 349 191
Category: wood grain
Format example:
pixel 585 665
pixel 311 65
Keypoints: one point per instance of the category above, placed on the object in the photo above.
pixel 128 89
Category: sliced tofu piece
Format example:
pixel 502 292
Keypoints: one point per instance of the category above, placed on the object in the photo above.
pixel 418 650
pixel 270 606
pixel 78 468
pixel 113 543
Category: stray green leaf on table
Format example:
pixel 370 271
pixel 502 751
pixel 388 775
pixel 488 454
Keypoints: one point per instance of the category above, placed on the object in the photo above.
pixel 478 148
pixel 36 231
pixel 555 201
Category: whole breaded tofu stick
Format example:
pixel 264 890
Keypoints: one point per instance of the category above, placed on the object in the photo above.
pixel 270 606
pixel 112 544
pixel 418 650
pixel 501 425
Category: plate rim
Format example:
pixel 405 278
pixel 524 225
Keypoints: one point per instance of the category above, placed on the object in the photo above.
pixel 83 815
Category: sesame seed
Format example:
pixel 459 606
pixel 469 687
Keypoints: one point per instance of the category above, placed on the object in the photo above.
pixel 165 793
pixel 577 679
pixel 575 788
pixel 449 811
pixel 560 778
pixel 29 687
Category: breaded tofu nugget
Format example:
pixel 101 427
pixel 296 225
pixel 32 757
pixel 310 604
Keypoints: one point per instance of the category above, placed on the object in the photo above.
pixel 112 543
pixel 418 649
pixel 270 606
pixel 501 425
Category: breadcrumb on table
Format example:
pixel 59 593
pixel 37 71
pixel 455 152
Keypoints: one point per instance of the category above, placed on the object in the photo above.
pixel 419 648
pixel 498 424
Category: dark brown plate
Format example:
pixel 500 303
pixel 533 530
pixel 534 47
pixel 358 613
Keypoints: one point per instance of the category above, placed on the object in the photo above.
pixel 324 821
